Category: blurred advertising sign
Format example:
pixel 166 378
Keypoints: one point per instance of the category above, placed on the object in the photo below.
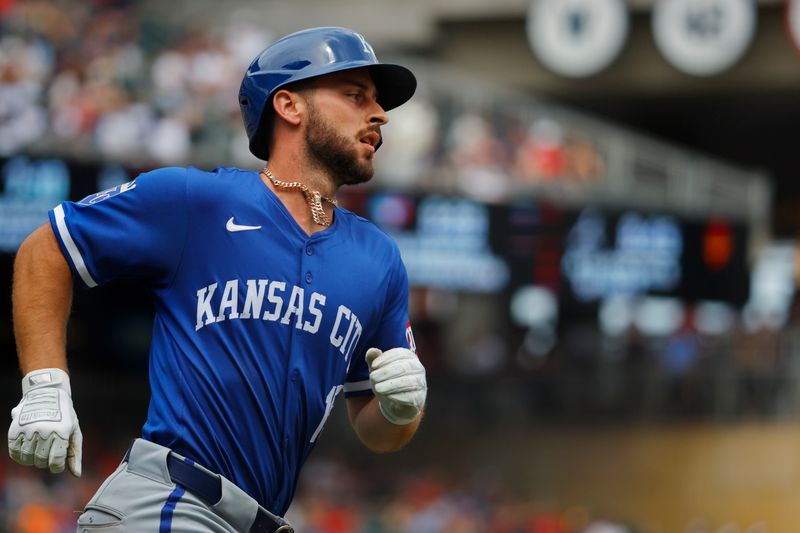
pixel 581 257
pixel 630 253
pixel 577 38
pixel 715 261
pixel 703 37
pixel 30 187
pixel 444 241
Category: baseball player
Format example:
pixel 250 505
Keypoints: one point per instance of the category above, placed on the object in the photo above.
pixel 270 301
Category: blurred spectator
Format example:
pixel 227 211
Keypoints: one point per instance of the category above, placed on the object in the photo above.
pixel 584 163
pixel 24 66
pixel 412 134
pixel 553 153
pixel 756 358
pixel 479 158
pixel 678 356
pixel 542 157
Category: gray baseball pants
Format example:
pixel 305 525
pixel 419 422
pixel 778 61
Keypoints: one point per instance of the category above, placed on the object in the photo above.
pixel 142 496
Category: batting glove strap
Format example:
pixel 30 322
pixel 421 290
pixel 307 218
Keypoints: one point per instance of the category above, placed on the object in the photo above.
pixel 44 429
pixel 46 377
pixel 398 381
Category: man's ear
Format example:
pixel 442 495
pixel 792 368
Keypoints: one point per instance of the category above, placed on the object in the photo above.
pixel 289 106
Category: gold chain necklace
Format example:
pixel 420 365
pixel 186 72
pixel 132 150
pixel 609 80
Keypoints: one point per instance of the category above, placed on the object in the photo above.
pixel 313 198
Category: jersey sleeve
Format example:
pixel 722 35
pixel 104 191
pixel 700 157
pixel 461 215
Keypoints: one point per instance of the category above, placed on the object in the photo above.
pixel 135 230
pixel 393 330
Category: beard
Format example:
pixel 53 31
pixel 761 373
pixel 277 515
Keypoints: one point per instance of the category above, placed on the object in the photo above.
pixel 334 152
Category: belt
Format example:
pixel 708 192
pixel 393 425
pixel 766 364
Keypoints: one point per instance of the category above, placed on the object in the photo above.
pixel 209 488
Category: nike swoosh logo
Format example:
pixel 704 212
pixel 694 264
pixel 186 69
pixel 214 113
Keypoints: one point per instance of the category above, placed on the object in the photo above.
pixel 233 227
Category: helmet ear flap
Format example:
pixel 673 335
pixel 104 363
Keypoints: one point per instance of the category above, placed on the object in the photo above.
pixel 262 138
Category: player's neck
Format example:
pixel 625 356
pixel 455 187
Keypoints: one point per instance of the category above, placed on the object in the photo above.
pixel 313 178
pixel 295 201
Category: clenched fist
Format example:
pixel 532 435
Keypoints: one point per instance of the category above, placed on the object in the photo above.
pixel 44 428
pixel 398 380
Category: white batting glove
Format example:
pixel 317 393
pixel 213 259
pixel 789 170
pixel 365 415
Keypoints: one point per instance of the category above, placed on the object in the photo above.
pixel 44 428
pixel 398 380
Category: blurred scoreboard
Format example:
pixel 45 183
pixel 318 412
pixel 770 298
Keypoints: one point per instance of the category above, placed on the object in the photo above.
pixel 581 255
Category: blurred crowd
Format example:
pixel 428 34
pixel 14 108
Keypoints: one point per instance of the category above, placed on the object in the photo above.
pixel 107 80
pixel 736 375
pixel 730 371
pixel 102 79
pixel 338 498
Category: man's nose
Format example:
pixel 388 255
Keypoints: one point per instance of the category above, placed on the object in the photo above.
pixel 378 115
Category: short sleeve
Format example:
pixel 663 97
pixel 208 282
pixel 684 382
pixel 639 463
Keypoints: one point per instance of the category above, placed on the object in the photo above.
pixel 135 230
pixel 393 330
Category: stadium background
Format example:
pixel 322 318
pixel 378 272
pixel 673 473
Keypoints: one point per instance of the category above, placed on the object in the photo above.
pixel 603 267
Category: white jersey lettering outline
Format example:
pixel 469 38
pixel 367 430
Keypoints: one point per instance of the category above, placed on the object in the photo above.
pixel 254 298
pixel 295 307
pixel 204 306
pixel 274 299
pixel 315 298
pixel 230 301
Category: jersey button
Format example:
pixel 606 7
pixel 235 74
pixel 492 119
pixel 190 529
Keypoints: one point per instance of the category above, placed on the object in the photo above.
pixel 309 250
pixel 309 277
pixel 295 374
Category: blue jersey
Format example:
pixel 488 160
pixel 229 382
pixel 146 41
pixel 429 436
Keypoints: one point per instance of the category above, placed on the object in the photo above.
pixel 258 326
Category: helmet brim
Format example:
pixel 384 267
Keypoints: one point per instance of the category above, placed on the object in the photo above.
pixel 395 84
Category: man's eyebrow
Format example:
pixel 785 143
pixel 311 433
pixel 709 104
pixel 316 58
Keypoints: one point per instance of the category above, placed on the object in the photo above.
pixel 360 84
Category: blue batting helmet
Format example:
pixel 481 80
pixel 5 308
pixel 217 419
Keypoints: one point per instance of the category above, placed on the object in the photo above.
pixel 307 54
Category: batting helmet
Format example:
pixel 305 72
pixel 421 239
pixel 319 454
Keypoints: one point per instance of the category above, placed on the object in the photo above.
pixel 307 54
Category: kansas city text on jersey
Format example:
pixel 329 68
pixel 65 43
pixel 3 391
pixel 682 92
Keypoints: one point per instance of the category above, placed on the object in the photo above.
pixel 274 301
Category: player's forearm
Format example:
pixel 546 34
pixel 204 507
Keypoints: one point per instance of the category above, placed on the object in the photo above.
pixel 377 433
pixel 41 299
